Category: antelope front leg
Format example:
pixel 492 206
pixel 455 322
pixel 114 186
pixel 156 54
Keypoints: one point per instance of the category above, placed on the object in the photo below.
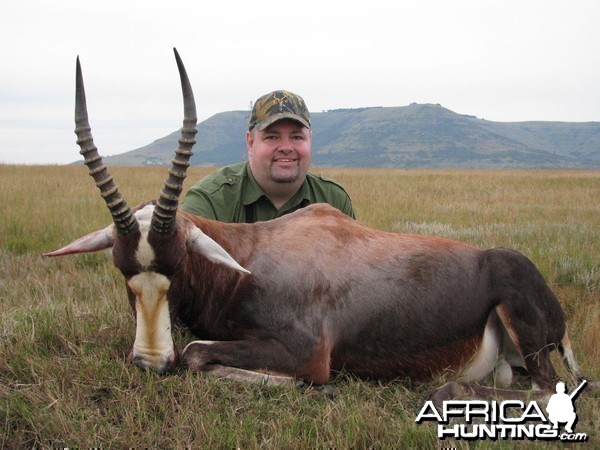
pixel 256 354
pixel 268 355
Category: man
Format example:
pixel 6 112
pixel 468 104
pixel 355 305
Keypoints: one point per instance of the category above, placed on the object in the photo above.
pixel 275 180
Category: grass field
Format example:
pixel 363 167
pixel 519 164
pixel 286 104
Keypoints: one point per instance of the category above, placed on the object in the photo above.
pixel 66 326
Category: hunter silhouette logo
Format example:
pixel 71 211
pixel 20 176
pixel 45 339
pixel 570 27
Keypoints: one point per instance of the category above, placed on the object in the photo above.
pixel 560 406
pixel 508 419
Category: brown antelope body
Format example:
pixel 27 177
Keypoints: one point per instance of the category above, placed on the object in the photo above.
pixel 315 291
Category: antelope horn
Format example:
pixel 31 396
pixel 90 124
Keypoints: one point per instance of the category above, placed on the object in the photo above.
pixel 163 218
pixel 123 218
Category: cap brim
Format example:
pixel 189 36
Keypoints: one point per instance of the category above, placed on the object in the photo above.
pixel 260 126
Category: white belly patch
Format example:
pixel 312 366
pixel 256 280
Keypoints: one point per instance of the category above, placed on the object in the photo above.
pixel 490 355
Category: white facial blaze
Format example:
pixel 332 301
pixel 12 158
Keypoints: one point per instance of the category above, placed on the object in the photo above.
pixel 153 342
pixel 144 253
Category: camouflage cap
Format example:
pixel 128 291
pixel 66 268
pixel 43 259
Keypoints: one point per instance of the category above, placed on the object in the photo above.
pixel 278 105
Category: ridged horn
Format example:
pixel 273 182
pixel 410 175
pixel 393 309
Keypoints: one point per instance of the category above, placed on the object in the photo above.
pixel 163 218
pixel 124 220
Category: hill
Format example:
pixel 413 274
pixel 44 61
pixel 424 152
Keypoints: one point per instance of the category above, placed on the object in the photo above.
pixel 417 135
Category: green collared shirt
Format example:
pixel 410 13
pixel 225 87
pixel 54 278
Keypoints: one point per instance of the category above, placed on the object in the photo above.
pixel 231 194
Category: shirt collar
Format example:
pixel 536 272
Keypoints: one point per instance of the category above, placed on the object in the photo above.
pixel 251 191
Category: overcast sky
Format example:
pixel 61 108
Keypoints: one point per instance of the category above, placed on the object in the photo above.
pixel 501 60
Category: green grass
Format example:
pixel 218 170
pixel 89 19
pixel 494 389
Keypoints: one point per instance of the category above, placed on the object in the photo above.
pixel 66 327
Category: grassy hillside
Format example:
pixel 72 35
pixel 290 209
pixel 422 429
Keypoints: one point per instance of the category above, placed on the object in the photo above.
pixel 66 326
pixel 418 135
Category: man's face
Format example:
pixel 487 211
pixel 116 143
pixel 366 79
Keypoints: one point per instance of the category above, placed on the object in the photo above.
pixel 280 153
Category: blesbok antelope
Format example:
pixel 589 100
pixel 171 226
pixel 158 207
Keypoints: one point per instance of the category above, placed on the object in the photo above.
pixel 315 291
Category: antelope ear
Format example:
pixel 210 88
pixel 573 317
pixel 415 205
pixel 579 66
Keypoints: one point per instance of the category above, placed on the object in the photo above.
pixel 93 242
pixel 201 243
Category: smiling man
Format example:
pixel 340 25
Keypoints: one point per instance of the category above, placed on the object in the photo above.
pixel 275 179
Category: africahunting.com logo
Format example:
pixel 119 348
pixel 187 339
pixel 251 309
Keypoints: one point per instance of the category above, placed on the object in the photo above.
pixel 508 419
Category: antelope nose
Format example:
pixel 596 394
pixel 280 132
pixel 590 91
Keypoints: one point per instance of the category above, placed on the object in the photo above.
pixel 139 361
pixel 169 365
pixel 165 365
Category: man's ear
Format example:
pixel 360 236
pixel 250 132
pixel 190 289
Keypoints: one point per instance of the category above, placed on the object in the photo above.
pixel 249 140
